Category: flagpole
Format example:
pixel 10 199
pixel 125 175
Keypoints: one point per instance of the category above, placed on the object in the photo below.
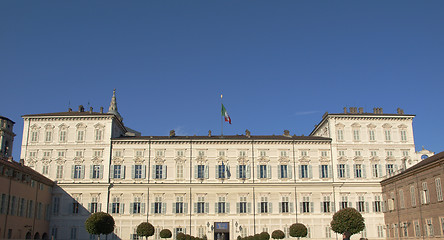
pixel 221 118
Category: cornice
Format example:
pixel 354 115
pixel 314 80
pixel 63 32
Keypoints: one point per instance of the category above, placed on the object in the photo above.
pixel 218 142
pixel 70 118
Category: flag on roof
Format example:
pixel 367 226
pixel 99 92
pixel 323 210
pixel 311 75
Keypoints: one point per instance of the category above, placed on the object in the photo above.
pixel 225 114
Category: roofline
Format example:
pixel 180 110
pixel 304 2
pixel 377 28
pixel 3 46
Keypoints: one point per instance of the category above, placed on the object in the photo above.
pixel 326 115
pixel 218 138
pixel 5 118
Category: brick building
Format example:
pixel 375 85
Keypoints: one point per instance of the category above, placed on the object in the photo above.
pixel 413 201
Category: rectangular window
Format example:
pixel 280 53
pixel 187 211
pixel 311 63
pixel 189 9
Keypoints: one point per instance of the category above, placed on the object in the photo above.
pixel 341 171
pixel 59 171
pixel 98 134
pixel 73 233
pixel 340 135
pixel 242 171
pixel 371 135
pixel 95 171
pixel 45 169
pixel 117 171
pixel 327 232
pixel 387 135
pixel 417 229
pixel 201 153
pixel 159 153
pixel 377 204
pixel 263 153
pixel 80 135
pixel 136 206
pixel 158 171
pixel 325 205
pixel 390 169
pixel 405 153
pixel 137 171
pixel 62 137
pixel 373 153
pixel 284 205
pixel 324 171
pixel 442 226
pixel 221 205
pixel 179 171
pixel 46 154
pixel 356 134
pixel 283 171
pixel 61 154
pixel 98 153
pixel 48 136
pixel 305 208
pixel 344 202
pixel 243 205
pixel 376 171
pixel 221 171
pixel 117 153
pixel 403 135
pixel 241 153
pixel 341 153
pixel 79 153
pixel 324 153
pixel 358 170
pixel 77 171
pixel 94 205
pixel 438 189
pixel 201 171
pixel 34 136
pixel 263 205
pixel 303 153
pixel 380 231
pixel 430 231
pixel 357 153
pixel 180 153
pixel 389 153
pixel 283 153
pixel 360 205
pixel 401 199
pixel 412 196
pixel 179 205
pixel 115 205
pixel 425 196
pixel 75 207
pixel 200 205
pixel 304 171
pixel 262 171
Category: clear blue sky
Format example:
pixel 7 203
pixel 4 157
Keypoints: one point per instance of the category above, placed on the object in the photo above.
pixel 279 64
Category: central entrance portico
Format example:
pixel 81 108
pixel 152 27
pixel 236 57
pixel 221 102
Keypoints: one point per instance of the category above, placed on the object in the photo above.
pixel 221 231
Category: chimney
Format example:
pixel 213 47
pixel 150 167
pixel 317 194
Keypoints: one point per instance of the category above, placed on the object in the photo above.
pixel 209 133
pixel 353 110
pixel 90 109
pixel 101 109
pixel 345 110
pixel 361 110
pixel 400 111
pixel 69 109
pixel 377 110
pixel 172 133
pixel 287 133
pixel 247 133
pixel 81 108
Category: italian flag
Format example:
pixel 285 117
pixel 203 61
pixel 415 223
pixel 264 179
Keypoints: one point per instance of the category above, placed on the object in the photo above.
pixel 225 114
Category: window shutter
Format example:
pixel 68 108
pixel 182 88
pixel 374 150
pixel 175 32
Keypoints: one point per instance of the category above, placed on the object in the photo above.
pixel 300 171
pixel 131 208
pixel 73 168
pixel 330 172
pixel 237 171
pixel 339 172
pixel 110 208
pixel 174 207
pixel 279 171
pixel 89 207
pixel 227 207
pixel 153 171
pixel 249 207
pixel 291 207
pixel 237 207
pixel 301 208
pixel 333 207
pixel 349 204
pixel 311 207
pixel 142 208
pixel 270 207
pixel 164 206
pixel 152 208
pixel 82 171
pixel 207 207
pixel 366 207
pixel 364 171
pixel 185 207
pixel 268 171
pixel 248 172
pixel 396 167
pixel 99 207
pixel 258 207
pixel 122 208
pixel 227 170
pixel 195 171
pixel 123 172
pixel 133 171
pixel 164 171
pixel 143 171
pixel 207 171
pixel 111 171
pixel 216 209
pixel 380 170
pixel 310 171
pixel 91 167
pixel 374 206
pixel 290 172
pixel 258 171
pixel 280 207
pixel 347 169
pixel 195 207
pixel 101 171
pixel 374 170
pixel 320 171
pixel 216 172
pixel 354 170
pixel 322 207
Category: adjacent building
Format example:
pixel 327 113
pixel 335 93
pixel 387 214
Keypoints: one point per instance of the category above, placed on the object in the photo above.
pixel 25 195
pixel 218 186
pixel 413 201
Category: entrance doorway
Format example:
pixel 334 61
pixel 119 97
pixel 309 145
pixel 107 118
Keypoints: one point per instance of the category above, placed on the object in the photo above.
pixel 222 231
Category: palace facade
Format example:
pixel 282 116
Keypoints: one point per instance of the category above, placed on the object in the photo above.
pixel 218 186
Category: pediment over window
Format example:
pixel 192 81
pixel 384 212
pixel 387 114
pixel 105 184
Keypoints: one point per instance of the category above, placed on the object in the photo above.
pixel 402 126
pixel 356 125
pixel 180 160
pixel 371 125
pixel 97 161
pixel 342 159
pixel 117 161
pixel 99 125
pixel 386 125
pixel 81 125
pixel 284 159
pixel 35 127
pixel 339 125
pixel 63 126
pixel 49 126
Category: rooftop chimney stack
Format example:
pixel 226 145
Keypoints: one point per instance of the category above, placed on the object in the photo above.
pixel 361 110
pixel 400 111
pixel 345 110
pixel 377 110
pixel 101 109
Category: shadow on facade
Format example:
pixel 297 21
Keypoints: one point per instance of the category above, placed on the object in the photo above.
pixel 68 217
